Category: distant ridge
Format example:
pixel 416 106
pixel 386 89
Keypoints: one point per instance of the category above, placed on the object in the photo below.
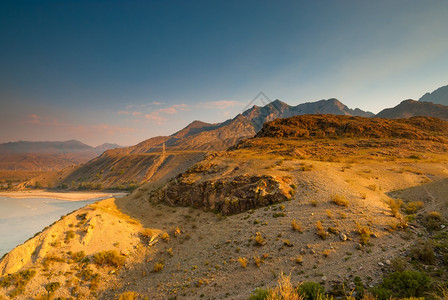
pixel 439 96
pixel 411 108
pixel 47 156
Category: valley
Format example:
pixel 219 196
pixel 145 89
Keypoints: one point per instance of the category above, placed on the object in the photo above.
pixel 318 208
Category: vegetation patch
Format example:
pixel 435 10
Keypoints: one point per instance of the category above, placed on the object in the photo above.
pixel 111 258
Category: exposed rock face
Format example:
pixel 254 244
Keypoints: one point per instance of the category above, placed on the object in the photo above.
pixel 411 108
pixel 239 194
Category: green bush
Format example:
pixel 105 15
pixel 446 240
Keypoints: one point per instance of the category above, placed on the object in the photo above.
pixel 432 220
pixel 423 251
pixel 259 294
pixel 311 290
pixel 403 284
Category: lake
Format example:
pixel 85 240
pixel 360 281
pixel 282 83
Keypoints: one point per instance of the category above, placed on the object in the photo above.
pixel 22 218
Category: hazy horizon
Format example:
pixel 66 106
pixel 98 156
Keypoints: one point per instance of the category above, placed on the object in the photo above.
pixel 124 71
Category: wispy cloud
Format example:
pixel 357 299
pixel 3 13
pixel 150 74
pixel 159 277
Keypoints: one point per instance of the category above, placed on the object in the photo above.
pixel 221 104
pixel 81 129
pixel 158 116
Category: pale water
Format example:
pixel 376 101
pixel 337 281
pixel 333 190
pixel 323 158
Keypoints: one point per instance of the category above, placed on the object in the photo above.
pixel 21 219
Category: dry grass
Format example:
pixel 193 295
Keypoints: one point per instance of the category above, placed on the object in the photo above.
pixel 259 239
pixel 364 232
pixel 395 205
pixel 158 267
pixel 296 226
pixel 340 200
pixel 243 261
pixel 284 290
pixel 320 231
pixel 165 237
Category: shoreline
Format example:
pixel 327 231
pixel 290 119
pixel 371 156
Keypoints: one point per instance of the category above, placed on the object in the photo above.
pixel 67 196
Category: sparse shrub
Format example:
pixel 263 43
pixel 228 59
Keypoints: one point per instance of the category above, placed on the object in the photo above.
pixel 398 264
pixel 326 252
pixel 329 214
pixel 296 226
pixel 158 266
pixel 70 235
pixel 394 205
pixel 147 233
pixel 313 202
pixel 287 243
pixel 257 261
pixel 299 259
pixel 243 261
pixel 259 239
pixel 311 290
pixel 78 256
pixel 333 230
pixel 423 250
pixel 52 287
pixel 111 258
pixel 340 200
pixel 365 233
pixel 170 251
pixel 320 231
pixel 412 207
pixel 278 214
pixel 128 296
pixel 432 220
pixel 165 237
pixel 177 232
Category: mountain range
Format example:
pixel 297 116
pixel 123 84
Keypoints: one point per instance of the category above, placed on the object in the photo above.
pixel 47 156
pixel 163 156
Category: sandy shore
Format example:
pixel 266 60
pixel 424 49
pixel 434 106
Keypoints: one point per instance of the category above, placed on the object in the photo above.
pixel 68 196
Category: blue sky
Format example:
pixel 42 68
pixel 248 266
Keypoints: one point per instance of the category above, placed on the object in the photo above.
pixel 124 71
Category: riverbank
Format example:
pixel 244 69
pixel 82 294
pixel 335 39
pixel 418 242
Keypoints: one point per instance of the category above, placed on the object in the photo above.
pixel 67 196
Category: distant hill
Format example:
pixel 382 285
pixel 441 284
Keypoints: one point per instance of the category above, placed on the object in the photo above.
pixel 147 162
pixel 410 108
pixel 47 156
pixel 439 96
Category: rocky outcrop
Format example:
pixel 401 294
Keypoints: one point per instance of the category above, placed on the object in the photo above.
pixel 225 196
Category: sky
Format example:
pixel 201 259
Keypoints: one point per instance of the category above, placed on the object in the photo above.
pixel 124 71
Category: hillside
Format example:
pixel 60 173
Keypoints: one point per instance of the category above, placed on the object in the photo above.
pixel 410 108
pixel 321 209
pixel 439 96
pixel 139 163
